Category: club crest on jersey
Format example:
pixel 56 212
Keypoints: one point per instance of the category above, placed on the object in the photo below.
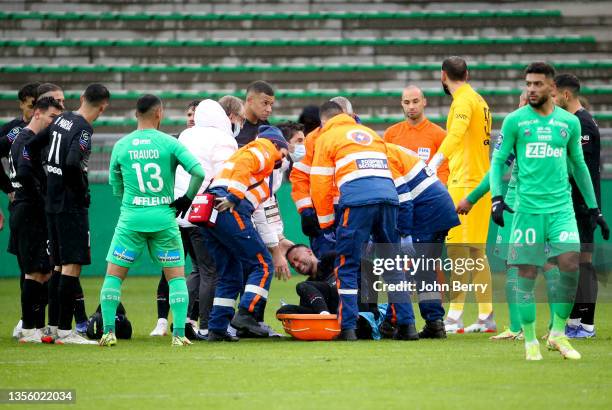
pixel 564 133
pixel 527 132
pixel 84 140
pixel 13 134
pixel 360 137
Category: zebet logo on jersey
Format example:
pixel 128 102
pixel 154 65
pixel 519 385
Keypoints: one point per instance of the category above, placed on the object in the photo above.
pixel 542 150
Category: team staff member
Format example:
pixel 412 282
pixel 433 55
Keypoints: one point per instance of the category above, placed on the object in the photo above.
pixel 258 108
pixel 417 133
pixel 67 202
pixel 581 323
pixel 142 170
pixel 212 143
pixel 28 239
pixel 321 243
pixel 466 147
pixel 244 182
pixel 426 213
pixel 353 158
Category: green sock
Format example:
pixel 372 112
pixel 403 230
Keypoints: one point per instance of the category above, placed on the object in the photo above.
pixel 179 300
pixel 511 289
pixel 564 299
pixel 527 307
pixel 552 282
pixel 110 296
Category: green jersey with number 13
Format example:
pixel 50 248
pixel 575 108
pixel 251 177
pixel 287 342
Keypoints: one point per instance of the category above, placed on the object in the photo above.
pixel 142 168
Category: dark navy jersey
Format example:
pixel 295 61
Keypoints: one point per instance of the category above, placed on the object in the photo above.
pixel 8 133
pixel 325 270
pixel 26 172
pixel 249 132
pixel 67 147
pixel 590 142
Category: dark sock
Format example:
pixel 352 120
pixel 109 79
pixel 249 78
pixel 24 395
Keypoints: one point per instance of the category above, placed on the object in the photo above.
pixel 195 311
pixel 44 299
pixel 54 298
pixel 311 297
pixel 30 302
pixel 67 290
pixel 79 304
pixel 163 291
pixel 259 314
pixel 587 294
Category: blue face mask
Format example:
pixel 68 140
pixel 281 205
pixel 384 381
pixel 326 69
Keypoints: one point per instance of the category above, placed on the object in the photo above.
pixel 298 153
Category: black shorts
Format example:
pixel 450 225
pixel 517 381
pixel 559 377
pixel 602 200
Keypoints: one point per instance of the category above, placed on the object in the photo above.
pixel 586 232
pixel 28 238
pixel 69 238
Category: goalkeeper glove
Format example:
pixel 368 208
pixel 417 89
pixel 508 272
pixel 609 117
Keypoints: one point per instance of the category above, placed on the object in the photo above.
pixel 598 219
pixel 182 205
pixel 497 210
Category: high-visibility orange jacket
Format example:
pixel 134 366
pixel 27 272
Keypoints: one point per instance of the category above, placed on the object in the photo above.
pixel 425 205
pixel 300 174
pixel 354 158
pixel 246 173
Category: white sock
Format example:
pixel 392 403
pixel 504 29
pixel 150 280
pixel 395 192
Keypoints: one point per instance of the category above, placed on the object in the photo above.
pixel 162 321
pixel 555 333
pixel 483 316
pixel 63 333
pixel 573 322
pixel 454 314
pixel 533 342
pixel 203 332
pixel 588 328
pixel 27 332
pixel 19 324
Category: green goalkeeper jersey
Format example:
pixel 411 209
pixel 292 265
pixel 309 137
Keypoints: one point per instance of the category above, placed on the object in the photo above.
pixel 544 145
pixel 142 168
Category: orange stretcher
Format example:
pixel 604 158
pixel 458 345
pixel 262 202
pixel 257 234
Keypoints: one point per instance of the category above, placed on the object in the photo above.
pixel 310 327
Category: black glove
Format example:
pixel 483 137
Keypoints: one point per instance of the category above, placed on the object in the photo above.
pixel 497 210
pixel 310 223
pixel 182 205
pixel 598 219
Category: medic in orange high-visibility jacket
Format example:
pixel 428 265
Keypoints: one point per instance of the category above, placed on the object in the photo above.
pixel 234 243
pixel 354 158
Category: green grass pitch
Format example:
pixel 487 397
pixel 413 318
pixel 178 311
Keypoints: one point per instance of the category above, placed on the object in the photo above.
pixel 464 371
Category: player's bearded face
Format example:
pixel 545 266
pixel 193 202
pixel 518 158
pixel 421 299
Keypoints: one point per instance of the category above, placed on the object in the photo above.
pixel 539 89
pixel 445 88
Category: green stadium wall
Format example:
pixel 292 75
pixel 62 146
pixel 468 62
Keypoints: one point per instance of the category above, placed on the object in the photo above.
pixel 104 212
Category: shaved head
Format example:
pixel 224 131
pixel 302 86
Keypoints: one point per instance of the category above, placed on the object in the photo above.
pixel 413 104
pixel 411 89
